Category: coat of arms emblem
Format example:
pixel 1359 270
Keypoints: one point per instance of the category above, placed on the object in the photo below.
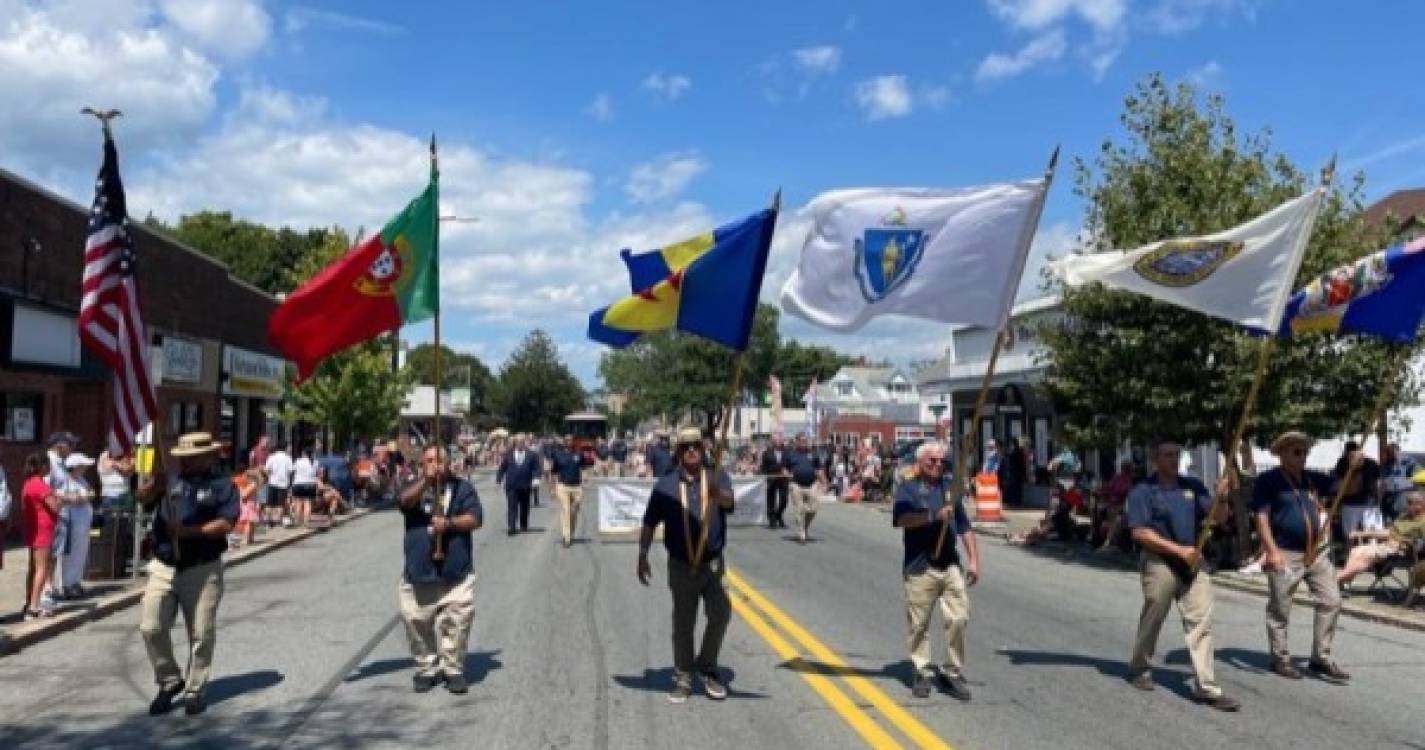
pixel 384 273
pixel 885 257
pixel 1182 263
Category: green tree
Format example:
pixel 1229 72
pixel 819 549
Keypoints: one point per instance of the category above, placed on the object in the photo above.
pixel 675 374
pixel 1124 367
pixel 799 364
pixel 456 368
pixel 263 256
pixel 535 389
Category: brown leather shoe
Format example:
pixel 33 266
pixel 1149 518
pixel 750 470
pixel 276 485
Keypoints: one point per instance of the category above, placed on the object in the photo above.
pixel 1328 671
pixel 1221 702
pixel 1284 668
pixel 1143 681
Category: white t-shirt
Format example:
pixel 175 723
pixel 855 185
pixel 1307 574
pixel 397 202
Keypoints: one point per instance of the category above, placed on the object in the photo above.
pixel 304 471
pixel 279 470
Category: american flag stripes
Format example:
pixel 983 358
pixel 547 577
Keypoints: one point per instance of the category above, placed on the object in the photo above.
pixel 110 322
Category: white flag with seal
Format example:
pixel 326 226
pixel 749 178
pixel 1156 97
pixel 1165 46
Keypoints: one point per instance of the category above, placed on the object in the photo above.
pixel 1245 274
pixel 953 256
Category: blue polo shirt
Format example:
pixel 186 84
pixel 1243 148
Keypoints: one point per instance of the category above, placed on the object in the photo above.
pixel 1292 509
pixel 567 467
pixel 803 465
pixel 915 495
pixel 1173 510
pixel 619 450
pixel 665 506
pixel 660 460
pixel 419 543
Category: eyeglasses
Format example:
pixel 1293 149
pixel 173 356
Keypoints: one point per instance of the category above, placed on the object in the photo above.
pixel 930 460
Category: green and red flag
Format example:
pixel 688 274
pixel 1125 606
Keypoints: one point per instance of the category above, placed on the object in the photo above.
pixel 389 280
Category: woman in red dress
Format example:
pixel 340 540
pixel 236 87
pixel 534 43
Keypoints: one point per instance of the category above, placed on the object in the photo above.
pixel 39 507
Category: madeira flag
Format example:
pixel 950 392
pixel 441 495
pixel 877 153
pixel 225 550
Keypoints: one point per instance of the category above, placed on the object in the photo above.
pixel 707 285
pixel 1380 295
pixel 389 280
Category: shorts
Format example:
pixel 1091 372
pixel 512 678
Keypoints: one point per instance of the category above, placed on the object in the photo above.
pixel 304 492
pixel 276 496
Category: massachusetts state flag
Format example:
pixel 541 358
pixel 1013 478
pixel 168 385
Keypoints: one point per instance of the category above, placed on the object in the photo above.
pixel 1382 294
pixel 707 285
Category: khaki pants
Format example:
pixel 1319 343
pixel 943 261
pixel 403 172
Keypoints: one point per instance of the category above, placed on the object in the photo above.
pixel 197 591
pixel 569 499
pixel 923 591
pixel 1281 585
pixel 688 588
pixel 804 504
pixel 437 618
pixel 1161 587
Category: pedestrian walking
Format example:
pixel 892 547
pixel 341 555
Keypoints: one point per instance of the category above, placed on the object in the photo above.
pixel 191 523
pixel 802 465
pixel 692 504
pixel 39 513
pixel 304 488
pixel 933 518
pixel 518 471
pixel 1287 513
pixel 1164 513
pixel 437 589
pixel 277 472
pixel 774 467
pixel 567 467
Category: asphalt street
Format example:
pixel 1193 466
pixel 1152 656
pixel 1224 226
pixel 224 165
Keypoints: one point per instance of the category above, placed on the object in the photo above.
pixel 569 651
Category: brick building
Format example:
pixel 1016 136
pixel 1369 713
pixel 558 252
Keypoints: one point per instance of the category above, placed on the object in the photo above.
pixel 214 368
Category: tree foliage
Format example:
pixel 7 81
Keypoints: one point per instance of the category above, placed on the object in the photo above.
pixel 1124 367
pixel 671 374
pixel 798 365
pixel 457 368
pixel 265 257
pixel 535 389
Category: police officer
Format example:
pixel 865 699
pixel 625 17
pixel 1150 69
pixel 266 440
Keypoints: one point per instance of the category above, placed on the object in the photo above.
pixel 1163 515
pixel 773 466
pixel 437 590
pixel 567 467
pixel 1287 510
pixel 692 503
pixel 190 533
pixel 804 468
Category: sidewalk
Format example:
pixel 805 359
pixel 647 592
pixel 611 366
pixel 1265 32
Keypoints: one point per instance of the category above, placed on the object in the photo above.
pixel 106 597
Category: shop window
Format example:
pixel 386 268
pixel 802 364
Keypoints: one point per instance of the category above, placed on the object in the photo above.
pixel 20 417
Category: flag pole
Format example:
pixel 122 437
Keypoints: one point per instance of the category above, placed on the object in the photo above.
pixel 1328 174
pixel 962 451
pixel 1394 361
pixel 439 553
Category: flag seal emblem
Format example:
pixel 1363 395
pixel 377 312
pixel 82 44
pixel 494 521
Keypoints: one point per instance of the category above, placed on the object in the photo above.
pixel 1181 263
pixel 885 257
pixel 384 273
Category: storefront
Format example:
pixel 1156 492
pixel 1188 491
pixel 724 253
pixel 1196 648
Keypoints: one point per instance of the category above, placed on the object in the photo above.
pixel 251 398
pixel 187 386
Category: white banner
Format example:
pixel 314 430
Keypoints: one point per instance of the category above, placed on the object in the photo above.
pixel 622 502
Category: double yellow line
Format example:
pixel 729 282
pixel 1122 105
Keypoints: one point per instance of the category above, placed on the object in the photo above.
pixel 756 610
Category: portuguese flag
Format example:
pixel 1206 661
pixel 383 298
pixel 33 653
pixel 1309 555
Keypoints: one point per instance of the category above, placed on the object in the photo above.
pixel 389 280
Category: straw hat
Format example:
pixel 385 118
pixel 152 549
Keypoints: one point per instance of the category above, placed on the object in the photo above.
pixel 689 435
pixel 196 444
pixel 1288 439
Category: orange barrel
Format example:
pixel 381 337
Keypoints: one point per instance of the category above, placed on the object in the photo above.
pixel 988 506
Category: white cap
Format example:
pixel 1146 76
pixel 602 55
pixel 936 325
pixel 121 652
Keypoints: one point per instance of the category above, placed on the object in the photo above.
pixel 76 460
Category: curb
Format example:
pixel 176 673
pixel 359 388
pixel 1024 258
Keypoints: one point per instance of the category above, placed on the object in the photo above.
pixel 1236 582
pixel 130 595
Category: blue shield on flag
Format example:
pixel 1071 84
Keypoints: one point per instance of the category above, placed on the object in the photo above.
pixel 885 258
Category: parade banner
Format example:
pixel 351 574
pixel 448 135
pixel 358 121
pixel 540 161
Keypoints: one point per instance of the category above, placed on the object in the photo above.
pixel 621 503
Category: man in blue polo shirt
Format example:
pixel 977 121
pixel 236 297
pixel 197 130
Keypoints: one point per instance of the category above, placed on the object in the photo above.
pixel 567 466
pixel 437 589
pixel 1163 514
pixel 658 458
pixel 805 468
pixel 932 521
pixel 618 453
pixel 1287 512
pixel 692 503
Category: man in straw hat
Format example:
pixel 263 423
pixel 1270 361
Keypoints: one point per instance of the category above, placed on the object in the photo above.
pixel 1287 511
pixel 692 503
pixel 190 534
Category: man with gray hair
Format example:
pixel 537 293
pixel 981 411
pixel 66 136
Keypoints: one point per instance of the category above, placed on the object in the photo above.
pixel 1374 546
pixel 932 519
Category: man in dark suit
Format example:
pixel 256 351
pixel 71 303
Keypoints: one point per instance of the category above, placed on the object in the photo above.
pixel 518 470
pixel 777 480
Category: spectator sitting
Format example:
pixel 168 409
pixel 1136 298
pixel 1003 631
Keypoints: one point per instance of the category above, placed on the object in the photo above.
pixel 1115 495
pixel 1376 546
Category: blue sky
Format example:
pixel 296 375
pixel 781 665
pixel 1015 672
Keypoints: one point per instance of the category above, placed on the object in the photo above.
pixel 574 129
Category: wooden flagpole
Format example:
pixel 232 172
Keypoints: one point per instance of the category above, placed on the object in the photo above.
pixel 1268 345
pixel 967 441
pixel 439 553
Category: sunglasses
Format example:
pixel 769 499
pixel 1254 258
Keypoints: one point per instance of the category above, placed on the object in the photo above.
pixel 1297 452
pixel 933 460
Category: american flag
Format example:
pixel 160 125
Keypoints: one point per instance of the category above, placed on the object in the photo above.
pixel 110 322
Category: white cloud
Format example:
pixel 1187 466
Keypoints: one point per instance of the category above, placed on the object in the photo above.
pixel 1044 48
pixel 301 18
pixel 670 86
pixel 818 60
pixel 1034 15
pixel 663 177
pixel 884 97
pixel 1209 75
pixel 1052 242
pixel 601 108
pixel 234 29
pixel 1178 16
pixel 935 97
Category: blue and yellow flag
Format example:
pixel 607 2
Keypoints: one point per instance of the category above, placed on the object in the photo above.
pixel 1382 294
pixel 707 285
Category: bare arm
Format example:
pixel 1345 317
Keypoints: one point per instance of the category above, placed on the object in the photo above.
pixel 645 540
pixel 411 495
pixel 972 556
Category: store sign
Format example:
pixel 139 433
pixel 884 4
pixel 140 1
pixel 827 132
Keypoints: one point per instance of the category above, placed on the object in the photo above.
pixel 460 400
pixel 44 338
pixel 251 374
pixel 22 425
pixel 182 360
